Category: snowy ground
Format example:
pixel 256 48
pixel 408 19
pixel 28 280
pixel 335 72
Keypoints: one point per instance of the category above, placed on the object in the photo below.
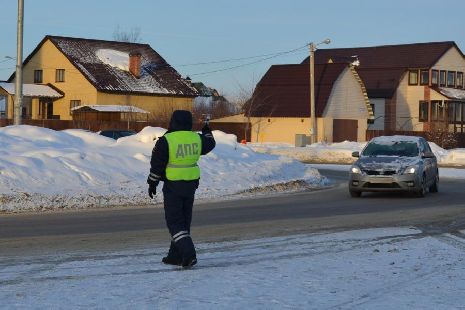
pixel 342 152
pixel 46 169
pixel 392 268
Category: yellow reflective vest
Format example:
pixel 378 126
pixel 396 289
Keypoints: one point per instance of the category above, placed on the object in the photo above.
pixel 184 148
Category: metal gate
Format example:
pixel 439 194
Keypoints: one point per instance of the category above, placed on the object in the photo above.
pixel 345 129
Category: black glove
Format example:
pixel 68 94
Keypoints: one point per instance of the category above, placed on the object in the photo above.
pixel 206 129
pixel 152 188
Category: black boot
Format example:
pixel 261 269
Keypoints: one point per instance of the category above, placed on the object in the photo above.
pixel 173 257
pixel 187 250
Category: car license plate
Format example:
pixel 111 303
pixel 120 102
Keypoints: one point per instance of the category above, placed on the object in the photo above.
pixel 382 180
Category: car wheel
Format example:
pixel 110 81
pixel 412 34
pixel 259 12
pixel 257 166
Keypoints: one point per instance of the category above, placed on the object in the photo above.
pixel 355 194
pixel 435 187
pixel 422 191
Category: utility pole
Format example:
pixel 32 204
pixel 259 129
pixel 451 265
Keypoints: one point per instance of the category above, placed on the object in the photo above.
pixel 313 126
pixel 18 101
pixel 313 130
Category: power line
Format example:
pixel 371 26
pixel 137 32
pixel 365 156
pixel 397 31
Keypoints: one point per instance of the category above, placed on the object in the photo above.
pixel 232 59
pixel 251 63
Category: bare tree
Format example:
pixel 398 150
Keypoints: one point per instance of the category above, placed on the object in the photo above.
pixel 249 104
pixel 216 107
pixel 132 35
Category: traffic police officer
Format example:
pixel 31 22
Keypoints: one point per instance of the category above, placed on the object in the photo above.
pixel 174 161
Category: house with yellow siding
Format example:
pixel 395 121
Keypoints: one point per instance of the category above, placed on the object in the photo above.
pixel 411 87
pixel 97 72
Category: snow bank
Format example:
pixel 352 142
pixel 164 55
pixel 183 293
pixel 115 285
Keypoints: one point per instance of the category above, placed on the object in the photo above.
pixel 47 169
pixel 341 153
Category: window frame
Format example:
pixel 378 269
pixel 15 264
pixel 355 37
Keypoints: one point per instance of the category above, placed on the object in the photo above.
pixel 424 83
pixel 451 85
pixel 438 110
pixel 410 72
pixel 459 85
pixel 38 76
pixel 435 72
pixel 72 104
pixel 421 104
pixel 60 75
pixel 442 73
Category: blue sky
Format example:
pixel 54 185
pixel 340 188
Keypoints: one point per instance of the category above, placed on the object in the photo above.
pixel 186 32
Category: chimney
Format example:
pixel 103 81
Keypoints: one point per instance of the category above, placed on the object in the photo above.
pixel 134 64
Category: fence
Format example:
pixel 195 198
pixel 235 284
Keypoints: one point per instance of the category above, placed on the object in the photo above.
pixel 237 129
pixel 447 140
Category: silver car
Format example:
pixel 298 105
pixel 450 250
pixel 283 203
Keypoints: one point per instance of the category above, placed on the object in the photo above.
pixel 394 163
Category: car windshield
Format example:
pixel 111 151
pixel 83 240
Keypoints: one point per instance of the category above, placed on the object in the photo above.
pixel 391 148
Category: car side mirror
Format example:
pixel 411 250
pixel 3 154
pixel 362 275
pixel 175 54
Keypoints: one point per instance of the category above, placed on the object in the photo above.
pixel 427 155
pixel 356 154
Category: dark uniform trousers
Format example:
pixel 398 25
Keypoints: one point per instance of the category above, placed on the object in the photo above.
pixel 178 204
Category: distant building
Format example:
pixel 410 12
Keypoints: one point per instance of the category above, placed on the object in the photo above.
pixel 96 72
pixel 412 87
pixel 280 105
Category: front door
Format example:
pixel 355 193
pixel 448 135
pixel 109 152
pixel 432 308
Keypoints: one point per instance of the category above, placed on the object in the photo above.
pixel 45 108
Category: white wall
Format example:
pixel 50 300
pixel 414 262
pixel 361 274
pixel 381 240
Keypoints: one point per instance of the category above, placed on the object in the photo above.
pixel 346 101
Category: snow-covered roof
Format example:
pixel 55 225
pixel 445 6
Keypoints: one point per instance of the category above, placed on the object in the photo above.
pixel 452 93
pixel 32 90
pixel 110 108
pixel 105 65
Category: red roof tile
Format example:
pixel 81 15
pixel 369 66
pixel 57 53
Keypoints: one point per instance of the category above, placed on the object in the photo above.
pixel 284 90
pixel 382 67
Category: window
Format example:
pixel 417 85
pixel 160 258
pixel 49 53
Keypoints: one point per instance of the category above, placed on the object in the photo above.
pixel 451 111
pixel 450 78
pixel 424 77
pixel 459 107
pixel 434 77
pixel 74 104
pixel 442 78
pixel 60 75
pixel 437 110
pixel 2 106
pixel 38 76
pixel 459 79
pixel 423 115
pixel 413 77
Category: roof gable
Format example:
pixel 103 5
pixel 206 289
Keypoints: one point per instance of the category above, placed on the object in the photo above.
pixel 157 76
pixel 284 90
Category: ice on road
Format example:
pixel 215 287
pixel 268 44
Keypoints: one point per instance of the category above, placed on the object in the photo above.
pixel 366 269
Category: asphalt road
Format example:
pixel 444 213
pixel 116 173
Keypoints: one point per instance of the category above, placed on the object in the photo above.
pixel 328 209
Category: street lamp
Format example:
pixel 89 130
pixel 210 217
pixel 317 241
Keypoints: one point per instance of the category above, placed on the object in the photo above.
pixel 313 127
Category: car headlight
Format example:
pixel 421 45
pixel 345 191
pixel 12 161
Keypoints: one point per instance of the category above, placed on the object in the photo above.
pixel 410 170
pixel 355 170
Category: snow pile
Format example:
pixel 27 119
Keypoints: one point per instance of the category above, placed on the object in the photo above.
pixel 341 153
pixel 317 152
pixel 389 268
pixel 47 169
pixel 114 58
